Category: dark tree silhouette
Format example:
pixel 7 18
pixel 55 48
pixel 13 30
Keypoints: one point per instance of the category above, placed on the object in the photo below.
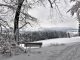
pixel 16 20
pixel 76 9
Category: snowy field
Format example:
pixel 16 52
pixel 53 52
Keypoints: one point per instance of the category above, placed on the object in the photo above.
pixel 59 41
pixel 49 42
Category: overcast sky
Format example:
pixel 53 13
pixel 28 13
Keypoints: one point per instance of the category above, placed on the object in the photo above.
pixel 52 17
pixel 55 18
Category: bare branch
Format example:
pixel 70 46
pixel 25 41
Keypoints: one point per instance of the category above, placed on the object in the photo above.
pixel 57 8
pixel 26 14
pixel 4 26
pixel 5 23
pixel 7 6
pixel 25 25
pixel 50 3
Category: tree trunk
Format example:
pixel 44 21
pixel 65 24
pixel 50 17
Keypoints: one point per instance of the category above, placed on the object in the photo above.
pixel 78 16
pixel 79 29
pixel 16 20
pixel 0 29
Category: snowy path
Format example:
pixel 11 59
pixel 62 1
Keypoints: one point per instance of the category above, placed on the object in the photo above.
pixel 60 52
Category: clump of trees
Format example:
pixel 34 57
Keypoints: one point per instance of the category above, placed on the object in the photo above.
pixel 9 47
pixel 42 35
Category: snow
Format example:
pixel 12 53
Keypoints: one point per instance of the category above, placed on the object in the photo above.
pixel 59 52
pixel 59 41
pixel 49 42
pixel 22 45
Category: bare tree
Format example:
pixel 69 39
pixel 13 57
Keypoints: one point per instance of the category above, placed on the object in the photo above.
pixel 16 20
pixel 20 11
pixel 76 9
pixel 17 11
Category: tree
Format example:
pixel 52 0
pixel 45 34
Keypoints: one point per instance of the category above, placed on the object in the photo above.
pixel 76 9
pixel 15 6
pixel 19 8
pixel 16 20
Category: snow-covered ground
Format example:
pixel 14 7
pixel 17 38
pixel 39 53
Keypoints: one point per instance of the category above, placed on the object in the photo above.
pixel 54 52
pixel 49 42
pixel 59 41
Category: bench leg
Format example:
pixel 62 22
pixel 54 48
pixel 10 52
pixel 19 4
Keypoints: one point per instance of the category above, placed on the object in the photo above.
pixel 28 51
pixel 25 51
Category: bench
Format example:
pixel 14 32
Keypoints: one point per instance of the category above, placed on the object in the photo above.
pixel 33 44
pixel 30 45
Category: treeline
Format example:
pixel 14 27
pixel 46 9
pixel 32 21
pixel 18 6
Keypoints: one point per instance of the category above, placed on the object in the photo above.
pixel 41 35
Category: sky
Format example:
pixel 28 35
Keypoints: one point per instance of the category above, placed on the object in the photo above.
pixel 48 17
pixel 54 18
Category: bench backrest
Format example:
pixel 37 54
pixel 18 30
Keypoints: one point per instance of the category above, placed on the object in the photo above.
pixel 38 44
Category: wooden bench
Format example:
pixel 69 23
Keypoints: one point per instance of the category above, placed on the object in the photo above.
pixel 30 45
pixel 33 44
